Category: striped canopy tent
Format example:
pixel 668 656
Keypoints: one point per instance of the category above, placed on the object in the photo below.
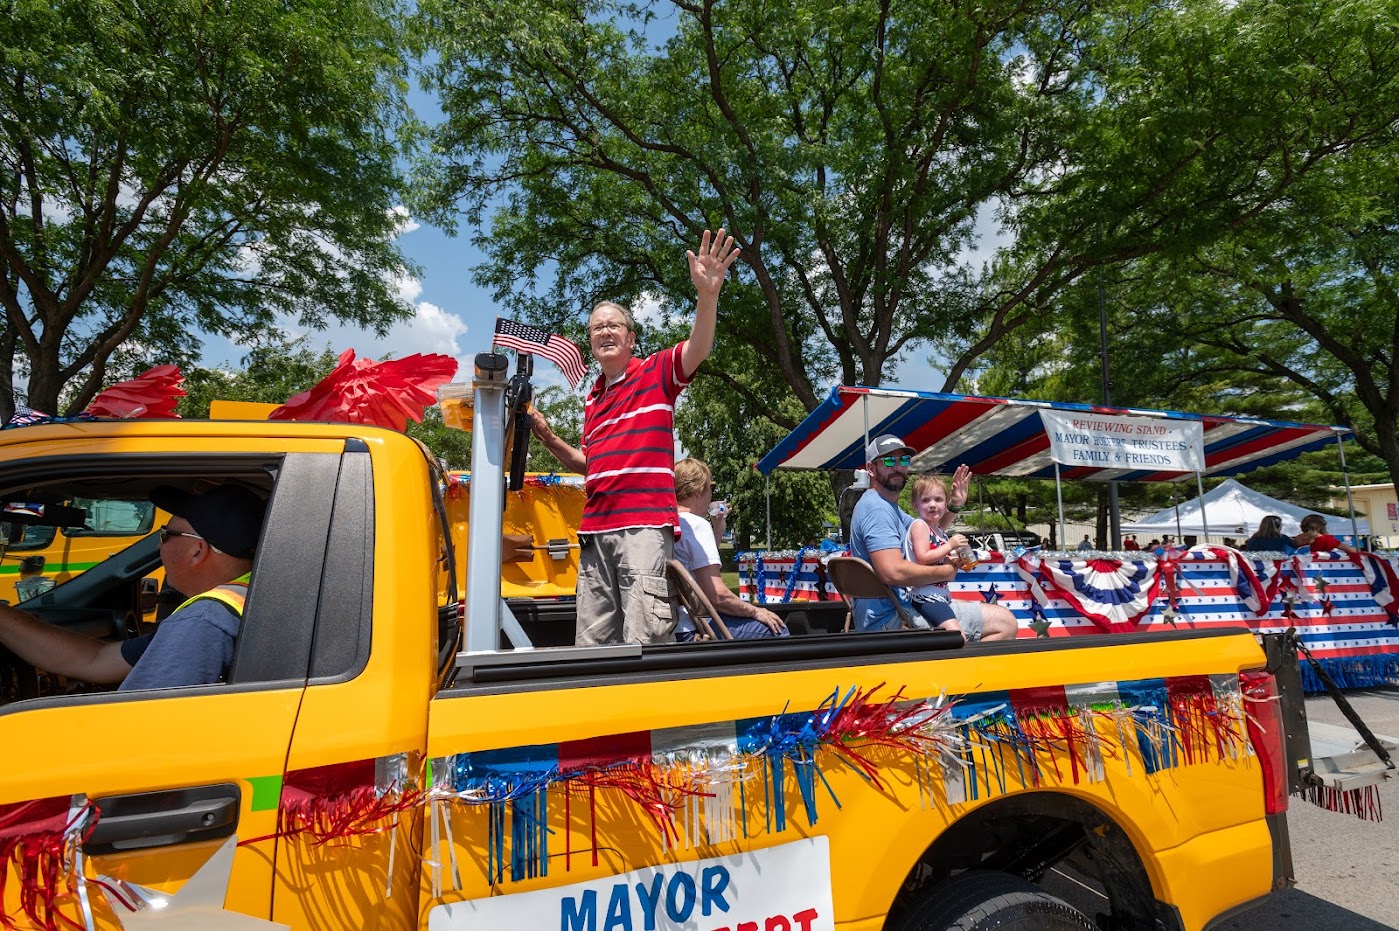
pixel 1007 437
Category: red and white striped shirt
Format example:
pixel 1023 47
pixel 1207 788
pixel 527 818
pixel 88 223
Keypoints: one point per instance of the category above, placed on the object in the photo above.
pixel 629 443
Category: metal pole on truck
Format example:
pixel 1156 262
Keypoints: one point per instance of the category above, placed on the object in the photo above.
pixel 487 503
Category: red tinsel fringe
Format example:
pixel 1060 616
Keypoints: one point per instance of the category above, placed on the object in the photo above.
pixel 862 722
pixel 34 842
pixel 1364 802
pixel 360 812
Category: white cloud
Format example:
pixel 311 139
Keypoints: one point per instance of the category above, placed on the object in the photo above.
pixel 430 329
pixel 409 289
pixel 406 223
pixel 648 311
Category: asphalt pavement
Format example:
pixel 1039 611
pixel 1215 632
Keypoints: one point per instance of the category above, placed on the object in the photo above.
pixel 1347 869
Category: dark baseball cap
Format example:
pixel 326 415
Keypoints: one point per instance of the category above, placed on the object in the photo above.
pixel 228 516
pixel 886 445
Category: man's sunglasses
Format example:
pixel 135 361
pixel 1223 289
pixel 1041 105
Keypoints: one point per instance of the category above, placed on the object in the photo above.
pixel 166 533
pixel 890 461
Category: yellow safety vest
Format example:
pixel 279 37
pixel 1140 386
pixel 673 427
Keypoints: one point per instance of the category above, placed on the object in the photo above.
pixel 234 594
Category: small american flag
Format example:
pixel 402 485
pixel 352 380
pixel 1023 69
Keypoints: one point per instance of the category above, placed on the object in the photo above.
pixel 522 337
pixel 25 415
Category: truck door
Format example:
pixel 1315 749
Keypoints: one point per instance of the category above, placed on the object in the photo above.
pixel 352 796
pixel 140 791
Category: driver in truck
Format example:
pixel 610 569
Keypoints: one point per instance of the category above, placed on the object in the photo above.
pixel 207 549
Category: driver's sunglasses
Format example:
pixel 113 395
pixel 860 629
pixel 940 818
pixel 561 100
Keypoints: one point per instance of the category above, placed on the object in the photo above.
pixel 166 533
pixel 892 461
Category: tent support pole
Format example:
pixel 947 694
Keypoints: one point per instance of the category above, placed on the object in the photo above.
pixel 1059 493
pixel 1175 503
pixel 1350 499
pixel 767 491
pixel 1204 520
pixel 865 409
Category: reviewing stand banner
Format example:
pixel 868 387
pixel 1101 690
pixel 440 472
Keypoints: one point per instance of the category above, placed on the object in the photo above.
pixel 1102 441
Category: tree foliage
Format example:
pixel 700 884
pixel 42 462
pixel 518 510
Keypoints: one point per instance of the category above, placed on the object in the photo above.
pixel 179 166
pixel 853 147
pixel 272 373
pixel 731 437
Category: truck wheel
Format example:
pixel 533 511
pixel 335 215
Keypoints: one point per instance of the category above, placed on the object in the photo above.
pixel 980 900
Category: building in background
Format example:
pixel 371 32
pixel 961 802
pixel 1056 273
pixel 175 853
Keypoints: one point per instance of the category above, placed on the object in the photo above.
pixel 1378 503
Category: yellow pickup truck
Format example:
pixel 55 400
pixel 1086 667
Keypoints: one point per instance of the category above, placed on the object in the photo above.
pixel 379 758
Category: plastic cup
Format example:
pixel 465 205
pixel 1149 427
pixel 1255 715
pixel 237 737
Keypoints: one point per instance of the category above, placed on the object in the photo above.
pixel 455 401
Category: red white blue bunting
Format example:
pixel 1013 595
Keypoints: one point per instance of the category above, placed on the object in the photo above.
pixel 710 783
pixel 1114 594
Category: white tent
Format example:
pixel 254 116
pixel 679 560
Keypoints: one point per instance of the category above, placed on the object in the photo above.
pixel 1233 510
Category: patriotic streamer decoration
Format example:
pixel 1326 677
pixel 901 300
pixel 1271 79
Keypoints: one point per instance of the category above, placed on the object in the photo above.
pixel 152 394
pixel 344 800
pixel 459 483
pixel 1382 580
pixel 700 785
pixel 792 577
pixel 41 842
pixel 1114 594
pixel 383 394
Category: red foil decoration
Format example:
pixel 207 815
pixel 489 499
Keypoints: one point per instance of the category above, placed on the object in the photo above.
pixel 382 394
pixel 337 802
pixel 152 394
pixel 34 841
pixel 862 722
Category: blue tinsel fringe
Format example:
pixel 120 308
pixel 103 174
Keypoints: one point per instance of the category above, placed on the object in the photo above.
pixel 1353 672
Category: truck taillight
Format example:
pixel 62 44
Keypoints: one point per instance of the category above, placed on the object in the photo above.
pixel 1265 732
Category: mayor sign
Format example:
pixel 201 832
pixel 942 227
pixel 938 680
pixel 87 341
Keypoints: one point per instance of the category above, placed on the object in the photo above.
pixel 783 888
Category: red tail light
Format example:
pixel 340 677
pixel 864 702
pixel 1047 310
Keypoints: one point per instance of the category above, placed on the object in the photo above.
pixel 1265 732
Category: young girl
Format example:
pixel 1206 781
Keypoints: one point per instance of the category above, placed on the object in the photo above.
pixel 927 544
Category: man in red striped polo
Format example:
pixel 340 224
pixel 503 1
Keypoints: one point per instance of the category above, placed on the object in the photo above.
pixel 628 456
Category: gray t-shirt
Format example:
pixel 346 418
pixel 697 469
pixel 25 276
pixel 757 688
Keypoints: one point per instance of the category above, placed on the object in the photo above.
pixel 877 524
pixel 193 646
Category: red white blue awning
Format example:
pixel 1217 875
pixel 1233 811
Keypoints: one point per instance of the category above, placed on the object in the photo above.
pixel 1005 436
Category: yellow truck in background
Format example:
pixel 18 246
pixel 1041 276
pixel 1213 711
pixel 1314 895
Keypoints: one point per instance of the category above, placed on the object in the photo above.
pixel 385 755
pixel 34 557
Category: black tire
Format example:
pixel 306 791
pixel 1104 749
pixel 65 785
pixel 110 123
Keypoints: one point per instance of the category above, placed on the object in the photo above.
pixel 982 900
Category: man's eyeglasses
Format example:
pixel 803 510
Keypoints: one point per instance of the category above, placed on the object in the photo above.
pixel 600 328
pixel 890 462
pixel 166 533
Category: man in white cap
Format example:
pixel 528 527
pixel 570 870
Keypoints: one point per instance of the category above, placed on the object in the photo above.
pixel 877 531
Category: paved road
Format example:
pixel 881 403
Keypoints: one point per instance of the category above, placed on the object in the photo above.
pixel 1347 869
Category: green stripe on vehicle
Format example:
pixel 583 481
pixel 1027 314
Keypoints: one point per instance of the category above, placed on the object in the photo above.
pixel 267 792
pixel 50 568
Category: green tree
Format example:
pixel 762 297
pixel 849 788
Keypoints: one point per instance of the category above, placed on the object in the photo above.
pixel 181 166
pixel 1309 300
pixel 271 374
pixel 731 437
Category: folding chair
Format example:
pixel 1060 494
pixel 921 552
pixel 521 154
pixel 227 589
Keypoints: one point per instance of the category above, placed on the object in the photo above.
pixel 701 610
pixel 855 578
